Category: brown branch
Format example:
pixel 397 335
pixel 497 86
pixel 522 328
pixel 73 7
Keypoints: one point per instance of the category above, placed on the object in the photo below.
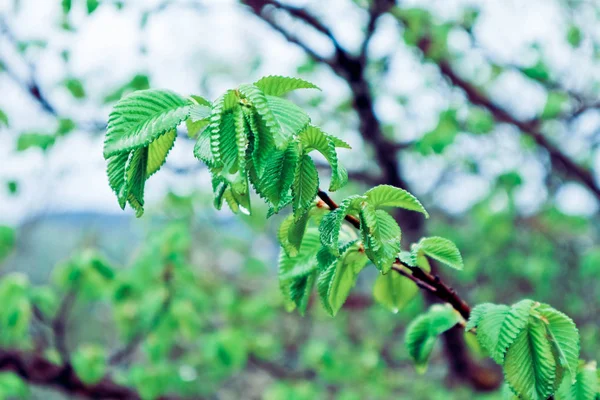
pixel 280 372
pixel 559 160
pixel 37 370
pixel 531 128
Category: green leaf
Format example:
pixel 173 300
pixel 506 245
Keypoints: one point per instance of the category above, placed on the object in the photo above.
pixel 216 126
pixel 66 6
pixel 141 117
pixel 262 143
pixel 278 177
pixel 135 179
pixel 65 126
pixel 564 337
pixel 7 241
pixel 556 103
pixel 574 36
pixel 297 273
pixel 336 281
pixel 305 185
pixel 275 85
pixel 227 150
pixel 586 387
pixel 116 176
pixel 312 138
pixel 422 332
pixel 331 223
pixel 538 71
pixel 92 5
pixel 436 140
pixel 339 143
pixel 202 149
pixel 489 319
pixel 158 151
pixel 440 249
pixel 291 233
pixel 75 87
pixel 291 118
pixel 4 119
pixel 419 342
pixel 381 237
pixel 261 105
pixel 529 365
pixel 89 362
pixel 479 121
pixel 390 196
pixel 29 140
pixel 394 291
pixel 516 320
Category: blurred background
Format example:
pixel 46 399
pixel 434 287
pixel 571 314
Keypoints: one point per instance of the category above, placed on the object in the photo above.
pixel 488 111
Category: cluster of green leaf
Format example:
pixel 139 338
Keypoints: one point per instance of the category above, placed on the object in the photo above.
pixel 251 137
pixel 537 346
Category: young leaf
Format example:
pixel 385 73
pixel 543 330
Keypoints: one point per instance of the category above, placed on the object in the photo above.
pixel 422 332
pixel 261 143
pixel 305 185
pixel 516 320
pixel 89 362
pixel 489 319
pixel 261 105
pixel 220 107
pixel 394 291
pixel 278 176
pixel 141 117
pixel 419 342
pixel 291 118
pixel 135 179
pixel 291 233
pixel 297 274
pixel 158 151
pixel 339 143
pixel 390 196
pixel 312 138
pixel 529 365
pixel 227 150
pixel 202 149
pixel 564 337
pixel 381 237
pixel 586 386
pixel 274 85
pixel 440 249
pixel 339 277
pixel 332 222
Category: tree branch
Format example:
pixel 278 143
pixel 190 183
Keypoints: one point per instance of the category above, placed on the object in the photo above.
pixel 37 370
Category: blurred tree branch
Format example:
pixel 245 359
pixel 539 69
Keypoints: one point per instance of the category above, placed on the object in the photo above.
pixel 560 161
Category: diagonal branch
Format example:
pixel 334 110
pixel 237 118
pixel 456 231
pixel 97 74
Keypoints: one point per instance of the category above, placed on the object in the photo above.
pixel 559 160
pixel 37 370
